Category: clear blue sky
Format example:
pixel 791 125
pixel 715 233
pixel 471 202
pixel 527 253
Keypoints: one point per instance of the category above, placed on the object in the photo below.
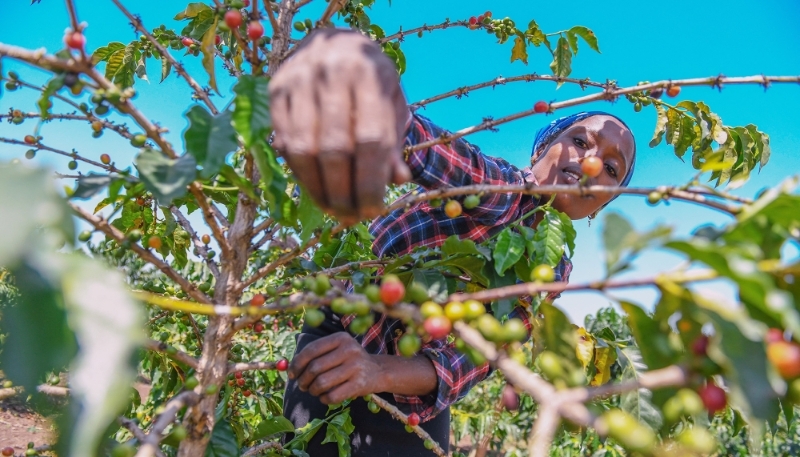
pixel 684 38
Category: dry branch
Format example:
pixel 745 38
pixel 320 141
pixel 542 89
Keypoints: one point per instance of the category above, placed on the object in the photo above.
pixel 103 225
pixel 150 444
pixel 609 94
pixel 199 92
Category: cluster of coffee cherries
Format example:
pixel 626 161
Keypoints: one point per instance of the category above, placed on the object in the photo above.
pixel 453 208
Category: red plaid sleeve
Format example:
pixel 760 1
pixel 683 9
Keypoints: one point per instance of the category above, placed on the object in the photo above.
pixel 460 163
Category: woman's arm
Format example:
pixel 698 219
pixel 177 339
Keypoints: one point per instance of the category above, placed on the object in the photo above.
pixel 336 368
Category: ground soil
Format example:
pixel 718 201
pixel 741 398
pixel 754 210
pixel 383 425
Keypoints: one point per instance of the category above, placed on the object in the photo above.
pixel 19 425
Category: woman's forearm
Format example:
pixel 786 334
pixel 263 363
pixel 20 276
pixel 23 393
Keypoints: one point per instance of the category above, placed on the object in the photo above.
pixel 406 375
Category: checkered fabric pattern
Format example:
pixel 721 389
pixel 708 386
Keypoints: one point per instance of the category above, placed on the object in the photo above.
pixel 447 165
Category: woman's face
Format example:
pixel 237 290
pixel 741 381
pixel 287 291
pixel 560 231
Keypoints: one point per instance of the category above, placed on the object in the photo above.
pixel 602 136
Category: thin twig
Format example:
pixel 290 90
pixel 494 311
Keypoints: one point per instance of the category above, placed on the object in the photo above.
pixel 175 354
pixel 250 366
pixel 199 92
pixel 530 288
pixel 427 28
pixel 609 95
pixel 136 432
pixel 271 14
pixel 103 225
pixel 397 414
pixel 530 189
pixel 76 26
pixel 258 448
pixel 202 249
pixel 150 443
pixel 72 155
pixel 499 81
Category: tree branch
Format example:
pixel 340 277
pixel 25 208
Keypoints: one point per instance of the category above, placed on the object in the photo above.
pixel 199 92
pixel 427 28
pixel 103 225
pixel 271 15
pixel 137 432
pixel 499 81
pixel 608 95
pixel 258 448
pixel 250 366
pixel 530 288
pixel 201 247
pixel 150 443
pixel 71 155
pixel 171 352
pixel 122 130
pixel 531 189
pixel 397 414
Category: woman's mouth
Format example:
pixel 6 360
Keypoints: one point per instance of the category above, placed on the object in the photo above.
pixel 572 175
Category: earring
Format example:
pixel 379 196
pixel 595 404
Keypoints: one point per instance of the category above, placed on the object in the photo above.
pixel 592 216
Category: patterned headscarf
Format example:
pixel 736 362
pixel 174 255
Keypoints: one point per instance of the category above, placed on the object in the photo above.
pixel 546 135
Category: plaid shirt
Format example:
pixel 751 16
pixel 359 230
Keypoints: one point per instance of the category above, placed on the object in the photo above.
pixel 456 164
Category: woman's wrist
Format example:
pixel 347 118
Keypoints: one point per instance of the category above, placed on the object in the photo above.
pixel 413 376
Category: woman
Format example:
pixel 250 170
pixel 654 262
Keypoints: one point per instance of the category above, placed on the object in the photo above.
pixel 331 365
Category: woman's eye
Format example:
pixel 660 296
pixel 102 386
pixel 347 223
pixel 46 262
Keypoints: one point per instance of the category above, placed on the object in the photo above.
pixel 580 143
pixel 611 171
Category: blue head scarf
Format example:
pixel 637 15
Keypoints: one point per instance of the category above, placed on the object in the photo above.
pixel 546 135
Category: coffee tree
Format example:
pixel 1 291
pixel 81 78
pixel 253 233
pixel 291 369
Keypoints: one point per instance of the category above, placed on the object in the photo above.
pixel 213 307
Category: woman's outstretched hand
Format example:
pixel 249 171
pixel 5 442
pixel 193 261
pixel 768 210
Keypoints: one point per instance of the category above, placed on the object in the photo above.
pixel 339 115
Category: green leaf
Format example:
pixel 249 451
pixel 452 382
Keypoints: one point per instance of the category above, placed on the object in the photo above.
pixel 560 336
pixel 338 431
pixel 90 184
pixel 637 403
pixel 549 239
pixel 310 216
pixel 508 250
pixel 209 139
pixel 124 74
pixel 269 427
pixel 535 35
pixel 251 109
pixel 588 36
pixel 433 282
pixel 103 53
pixel 661 126
pixel 223 441
pixel 652 337
pixel 273 179
pixel 453 246
pixel 304 434
pixel 569 232
pixel 107 324
pixel 56 83
pixel 164 177
pixel 742 345
pixel 572 39
pixel 114 61
pixel 166 68
pixel 562 59
pixel 37 338
pixel 191 11
pixel 208 48
pixel 615 230
pixel 519 51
